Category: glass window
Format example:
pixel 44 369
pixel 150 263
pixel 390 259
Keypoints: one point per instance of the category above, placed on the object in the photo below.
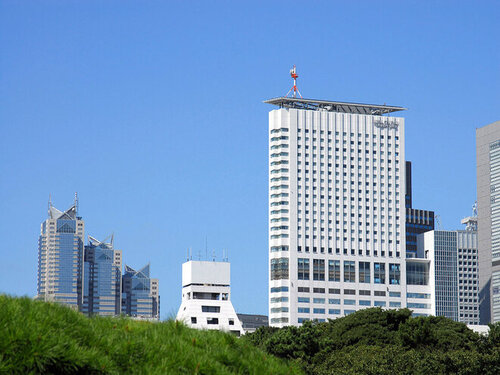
pixel 379 273
pixel 319 269
pixel 394 273
pixel 334 270
pixel 349 271
pixel 303 269
pixel 279 269
pixel 364 272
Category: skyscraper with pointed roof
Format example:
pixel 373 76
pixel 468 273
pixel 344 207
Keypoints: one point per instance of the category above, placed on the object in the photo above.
pixel 60 257
pixel 140 295
pixel 102 278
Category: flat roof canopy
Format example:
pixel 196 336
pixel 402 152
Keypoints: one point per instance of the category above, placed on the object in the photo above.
pixel 325 105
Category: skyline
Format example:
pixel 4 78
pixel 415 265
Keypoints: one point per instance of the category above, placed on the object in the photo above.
pixel 164 136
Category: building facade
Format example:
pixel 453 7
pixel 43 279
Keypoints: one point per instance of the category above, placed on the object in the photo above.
pixel 488 207
pixel 454 286
pixel 102 278
pixel 60 257
pixel 140 294
pixel 206 297
pixel 336 209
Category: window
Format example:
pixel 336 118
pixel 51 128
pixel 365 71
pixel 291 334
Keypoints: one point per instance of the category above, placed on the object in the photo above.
pixel 394 273
pixel 304 310
pixel 349 271
pixel 318 300
pixel 193 320
pixel 212 320
pixel 334 301
pixel 319 311
pixel 279 269
pixel 334 270
pixel 364 303
pixel 364 272
pixel 319 269
pixel 212 309
pixel 379 273
pixel 349 302
pixel 379 303
pixel 279 289
pixel 334 311
pixel 304 300
pixel 303 269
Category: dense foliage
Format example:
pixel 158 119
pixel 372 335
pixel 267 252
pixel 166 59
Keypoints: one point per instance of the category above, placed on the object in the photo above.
pixel 39 337
pixel 376 341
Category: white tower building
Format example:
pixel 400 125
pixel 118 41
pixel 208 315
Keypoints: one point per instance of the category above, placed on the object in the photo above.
pixel 336 209
pixel 206 297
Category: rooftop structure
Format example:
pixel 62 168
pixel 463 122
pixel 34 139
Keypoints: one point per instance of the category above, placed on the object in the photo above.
pixel 330 106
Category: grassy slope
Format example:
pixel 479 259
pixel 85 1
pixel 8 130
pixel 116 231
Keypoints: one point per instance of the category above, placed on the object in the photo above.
pixel 39 337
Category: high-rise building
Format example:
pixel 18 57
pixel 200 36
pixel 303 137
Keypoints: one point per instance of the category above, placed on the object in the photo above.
pixel 336 209
pixel 60 257
pixel 453 288
pixel 140 294
pixel 417 221
pixel 102 278
pixel 488 209
pixel 206 297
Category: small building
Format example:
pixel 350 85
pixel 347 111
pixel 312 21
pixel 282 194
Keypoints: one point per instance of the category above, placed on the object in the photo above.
pixel 250 322
pixel 206 297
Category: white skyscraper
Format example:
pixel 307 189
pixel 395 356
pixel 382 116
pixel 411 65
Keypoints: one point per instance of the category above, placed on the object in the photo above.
pixel 336 209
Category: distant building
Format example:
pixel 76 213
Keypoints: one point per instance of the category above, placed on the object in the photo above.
pixel 206 297
pixel 454 273
pixel 417 221
pixel 488 209
pixel 60 257
pixel 251 322
pixel 102 278
pixel 140 294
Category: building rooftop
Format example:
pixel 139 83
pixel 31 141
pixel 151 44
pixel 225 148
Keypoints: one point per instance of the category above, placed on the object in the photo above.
pixel 329 106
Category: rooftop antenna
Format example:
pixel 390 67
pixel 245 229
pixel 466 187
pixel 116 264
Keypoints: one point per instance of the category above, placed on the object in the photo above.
pixel 76 202
pixel 293 73
pixel 474 209
pixel 437 219
pixel 213 255
pixel 49 204
pixel 187 254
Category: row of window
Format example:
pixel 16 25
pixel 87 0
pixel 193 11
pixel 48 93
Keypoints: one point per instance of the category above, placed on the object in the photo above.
pixel 349 271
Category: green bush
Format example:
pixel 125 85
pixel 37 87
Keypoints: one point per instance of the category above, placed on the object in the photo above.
pixel 376 341
pixel 40 337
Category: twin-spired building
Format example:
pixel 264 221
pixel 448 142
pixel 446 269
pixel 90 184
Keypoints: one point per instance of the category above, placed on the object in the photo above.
pixel 336 209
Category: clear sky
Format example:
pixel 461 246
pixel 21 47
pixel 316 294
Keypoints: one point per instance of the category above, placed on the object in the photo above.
pixel 152 111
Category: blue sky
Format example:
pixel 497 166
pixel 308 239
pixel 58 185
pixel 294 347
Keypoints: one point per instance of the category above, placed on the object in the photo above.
pixel 153 112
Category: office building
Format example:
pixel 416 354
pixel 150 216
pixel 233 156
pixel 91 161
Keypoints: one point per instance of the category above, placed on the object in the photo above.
pixel 336 210
pixel 454 272
pixel 488 207
pixel 140 294
pixel 60 257
pixel 102 278
pixel 206 297
pixel 417 221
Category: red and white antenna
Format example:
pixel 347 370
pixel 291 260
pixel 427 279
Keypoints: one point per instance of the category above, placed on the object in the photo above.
pixel 293 73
